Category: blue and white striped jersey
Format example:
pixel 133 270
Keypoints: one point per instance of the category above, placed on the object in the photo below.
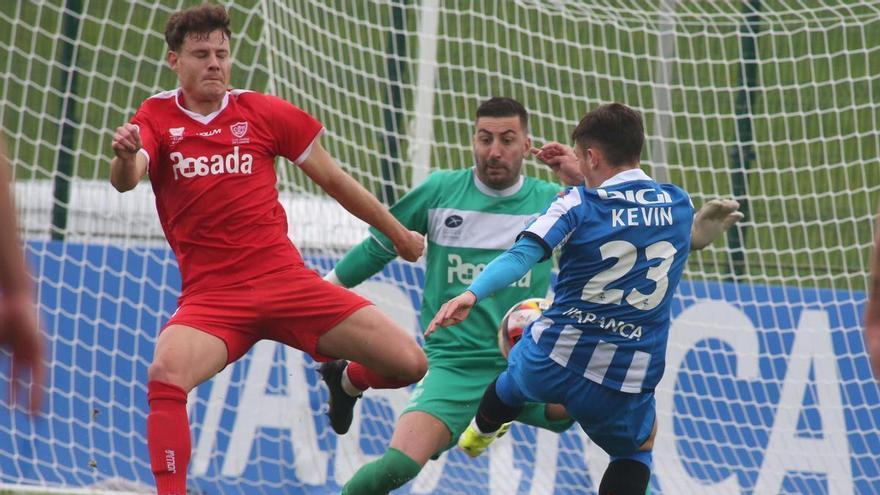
pixel 624 247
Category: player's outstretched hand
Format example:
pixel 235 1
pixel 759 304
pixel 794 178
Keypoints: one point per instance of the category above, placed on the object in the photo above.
pixel 712 220
pixel 455 311
pixel 562 161
pixel 20 334
pixel 126 141
pixel 411 246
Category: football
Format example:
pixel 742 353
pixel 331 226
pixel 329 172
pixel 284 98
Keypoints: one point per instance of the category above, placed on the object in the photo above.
pixel 520 316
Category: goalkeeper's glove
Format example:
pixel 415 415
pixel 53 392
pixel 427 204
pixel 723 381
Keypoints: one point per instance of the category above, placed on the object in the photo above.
pixel 714 217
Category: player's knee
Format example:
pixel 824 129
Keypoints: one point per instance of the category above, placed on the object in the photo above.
pixel 408 366
pixel 162 370
pixel 557 414
pixel 625 477
pixel 403 368
pixel 414 365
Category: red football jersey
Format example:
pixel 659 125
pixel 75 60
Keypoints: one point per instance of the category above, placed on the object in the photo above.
pixel 214 180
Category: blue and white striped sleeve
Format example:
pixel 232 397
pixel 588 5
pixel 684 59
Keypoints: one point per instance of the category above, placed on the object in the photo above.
pixel 560 219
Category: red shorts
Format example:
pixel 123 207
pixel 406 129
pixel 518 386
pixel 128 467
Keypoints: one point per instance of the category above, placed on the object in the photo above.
pixel 295 307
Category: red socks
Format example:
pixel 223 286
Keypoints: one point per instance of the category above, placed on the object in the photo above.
pixel 363 378
pixel 168 437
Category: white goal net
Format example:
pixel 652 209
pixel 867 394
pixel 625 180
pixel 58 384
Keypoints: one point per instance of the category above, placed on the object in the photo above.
pixel 776 103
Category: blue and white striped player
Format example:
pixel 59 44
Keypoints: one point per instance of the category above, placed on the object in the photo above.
pixel 600 348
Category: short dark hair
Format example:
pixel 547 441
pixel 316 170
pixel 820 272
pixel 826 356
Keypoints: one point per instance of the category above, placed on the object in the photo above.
pixel 204 19
pixel 502 106
pixel 616 129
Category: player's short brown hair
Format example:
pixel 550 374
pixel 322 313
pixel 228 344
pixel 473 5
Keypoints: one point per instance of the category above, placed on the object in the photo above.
pixel 204 19
pixel 501 106
pixel 614 128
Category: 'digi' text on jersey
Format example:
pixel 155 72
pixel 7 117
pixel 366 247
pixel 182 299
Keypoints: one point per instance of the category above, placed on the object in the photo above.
pixel 649 216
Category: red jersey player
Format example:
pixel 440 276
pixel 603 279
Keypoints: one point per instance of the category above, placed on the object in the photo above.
pixel 872 306
pixel 210 154
pixel 19 330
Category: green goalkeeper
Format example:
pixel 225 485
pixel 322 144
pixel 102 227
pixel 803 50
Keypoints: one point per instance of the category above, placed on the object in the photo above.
pixel 469 217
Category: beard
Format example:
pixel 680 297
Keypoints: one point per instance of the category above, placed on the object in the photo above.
pixel 497 174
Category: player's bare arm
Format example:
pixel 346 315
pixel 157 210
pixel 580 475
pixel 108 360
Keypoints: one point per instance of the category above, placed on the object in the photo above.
pixel 13 276
pixel 19 329
pixel 322 169
pixel 129 166
pixel 872 308
pixel 562 161
pixel 453 312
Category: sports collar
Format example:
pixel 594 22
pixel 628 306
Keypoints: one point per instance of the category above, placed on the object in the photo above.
pixel 203 119
pixel 626 176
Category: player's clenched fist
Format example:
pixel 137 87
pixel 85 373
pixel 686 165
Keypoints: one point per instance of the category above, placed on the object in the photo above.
pixel 126 141
pixel 410 246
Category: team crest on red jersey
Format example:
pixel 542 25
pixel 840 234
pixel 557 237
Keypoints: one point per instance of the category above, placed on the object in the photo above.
pixel 176 135
pixel 239 129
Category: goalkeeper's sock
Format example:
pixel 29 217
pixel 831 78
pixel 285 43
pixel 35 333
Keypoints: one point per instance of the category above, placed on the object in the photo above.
pixel 168 438
pixel 363 378
pixel 393 470
pixel 493 412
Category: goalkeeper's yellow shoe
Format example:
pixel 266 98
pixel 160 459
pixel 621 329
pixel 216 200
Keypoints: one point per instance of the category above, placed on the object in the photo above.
pixel 474 443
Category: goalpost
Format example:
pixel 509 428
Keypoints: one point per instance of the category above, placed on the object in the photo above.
pixel 777 103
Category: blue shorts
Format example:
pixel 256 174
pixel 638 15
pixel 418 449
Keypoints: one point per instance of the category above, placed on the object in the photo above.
pixel 619 422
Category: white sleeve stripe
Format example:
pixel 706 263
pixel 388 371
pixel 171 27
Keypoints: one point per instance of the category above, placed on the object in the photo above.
pixel 308 151
pixel 382 245
pixel 559 207
pixel 146 155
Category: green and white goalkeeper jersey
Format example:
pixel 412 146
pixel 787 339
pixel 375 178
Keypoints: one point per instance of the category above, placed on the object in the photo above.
pixel 467 225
